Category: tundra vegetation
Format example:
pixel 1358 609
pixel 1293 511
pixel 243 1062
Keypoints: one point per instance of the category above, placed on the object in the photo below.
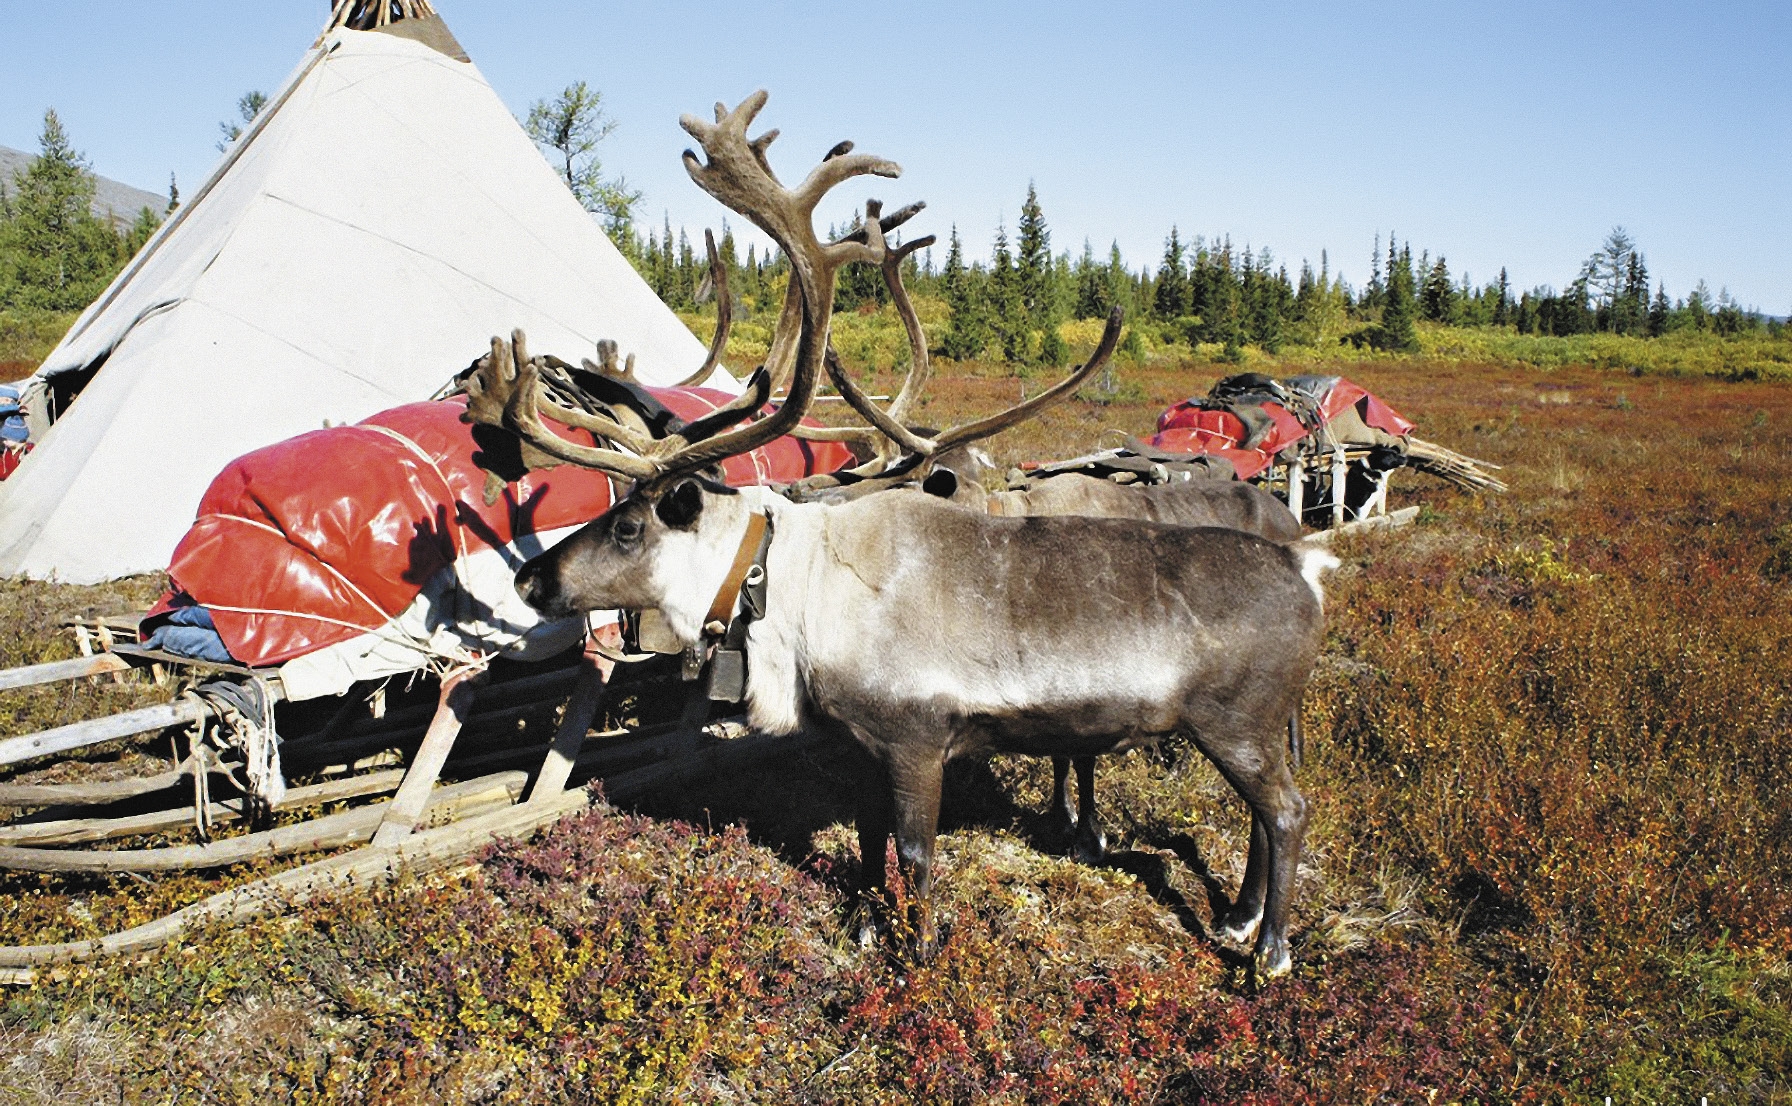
pixel 1547 755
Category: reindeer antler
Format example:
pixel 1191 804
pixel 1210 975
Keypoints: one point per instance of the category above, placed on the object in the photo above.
pixel 506 390
pixel 718 276
pixel 918 446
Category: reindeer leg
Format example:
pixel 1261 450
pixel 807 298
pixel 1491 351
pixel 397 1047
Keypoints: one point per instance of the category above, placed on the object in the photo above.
pixel 1091 845
pixel 1279 809
pixel 915 777
pixel 1258 771
pixel 1240 923
pixel 1060 810
pixel 875 814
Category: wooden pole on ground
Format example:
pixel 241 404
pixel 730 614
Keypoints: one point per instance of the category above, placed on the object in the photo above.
pixel 423 852
pixel 350 827
pixel 78 735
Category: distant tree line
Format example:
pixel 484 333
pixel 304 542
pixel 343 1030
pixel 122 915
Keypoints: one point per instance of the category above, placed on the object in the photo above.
pixel 1213 291
pixel 55 253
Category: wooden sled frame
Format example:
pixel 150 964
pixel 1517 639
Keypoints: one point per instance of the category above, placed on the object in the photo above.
pixel 427 825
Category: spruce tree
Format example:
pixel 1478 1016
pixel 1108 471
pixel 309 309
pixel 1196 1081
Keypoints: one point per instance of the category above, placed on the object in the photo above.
pixel 1092 292
pixel 1222 315
pixel 1524 316
pixel 1397 313
pixel 1007 317
pixel 1375 291
pixel 140 232
pixel 1033 264
pixel 55 254
pixel 1122 289
pixel 966 331
pixel 1659 312
pixel 860 284
pixel 1171 299
pixel 1436 298
pixel 686 274
pixel 1633 318
pixel 726 252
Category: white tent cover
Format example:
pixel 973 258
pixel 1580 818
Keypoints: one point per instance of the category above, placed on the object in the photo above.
pixel 381 220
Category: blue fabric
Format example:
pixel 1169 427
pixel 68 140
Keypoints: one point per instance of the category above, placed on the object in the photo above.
pixel 198 642
pixel 187 631
pixel 13 429
pixel 191 616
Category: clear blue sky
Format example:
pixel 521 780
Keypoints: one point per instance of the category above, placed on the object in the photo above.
pixel 1509 134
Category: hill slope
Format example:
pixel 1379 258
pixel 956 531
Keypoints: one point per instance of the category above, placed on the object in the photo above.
pixel 112 199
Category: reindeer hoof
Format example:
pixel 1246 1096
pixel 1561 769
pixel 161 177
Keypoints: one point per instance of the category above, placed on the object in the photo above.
pixel 868 923
pixel 1272 964
pixel 1241 928
pixel 1090 846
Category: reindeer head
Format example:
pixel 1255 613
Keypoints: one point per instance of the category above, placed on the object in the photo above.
pixel 668 545
pixel 657 547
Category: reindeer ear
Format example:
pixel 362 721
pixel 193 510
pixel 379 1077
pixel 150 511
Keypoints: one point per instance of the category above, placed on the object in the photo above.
pixel 680 507
pixel 941 482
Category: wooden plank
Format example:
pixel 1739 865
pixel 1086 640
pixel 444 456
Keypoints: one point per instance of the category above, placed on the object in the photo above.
pixel 489 697
pixel 79 831
pixel 136 652
pixel 581 710
pixel 1340 472
pixel 34 675
pixel 333 831
pixel 1297 487
pixel 79 735
pixel 87 794
pixel 407 806
pixel 430 850
pixel 1403 517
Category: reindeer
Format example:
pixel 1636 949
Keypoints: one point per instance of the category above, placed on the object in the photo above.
pixel 924 632
pixel 949 465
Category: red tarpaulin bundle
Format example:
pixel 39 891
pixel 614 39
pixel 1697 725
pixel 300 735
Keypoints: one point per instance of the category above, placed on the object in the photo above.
pixel 1200 426
pixel 336 538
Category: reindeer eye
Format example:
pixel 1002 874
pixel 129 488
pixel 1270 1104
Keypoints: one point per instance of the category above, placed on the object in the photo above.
pixel 626 529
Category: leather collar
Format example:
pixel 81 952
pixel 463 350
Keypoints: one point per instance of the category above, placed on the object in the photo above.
pixel 751 548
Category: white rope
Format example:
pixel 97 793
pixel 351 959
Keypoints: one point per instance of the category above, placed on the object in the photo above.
pixel 198 762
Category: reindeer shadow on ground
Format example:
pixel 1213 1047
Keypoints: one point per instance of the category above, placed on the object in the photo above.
pixel 784 805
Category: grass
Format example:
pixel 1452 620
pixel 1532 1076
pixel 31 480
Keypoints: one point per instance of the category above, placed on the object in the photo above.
pixel 868 338
pixel 27 337
pixel 1548 744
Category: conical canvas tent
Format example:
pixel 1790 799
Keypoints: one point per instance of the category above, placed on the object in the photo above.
pixel 378 222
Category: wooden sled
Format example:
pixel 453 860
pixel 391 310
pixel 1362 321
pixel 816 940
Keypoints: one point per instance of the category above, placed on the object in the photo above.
pixel 458 776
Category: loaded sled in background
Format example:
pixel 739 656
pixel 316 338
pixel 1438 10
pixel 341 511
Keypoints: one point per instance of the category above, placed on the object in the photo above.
pixel 1323 444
